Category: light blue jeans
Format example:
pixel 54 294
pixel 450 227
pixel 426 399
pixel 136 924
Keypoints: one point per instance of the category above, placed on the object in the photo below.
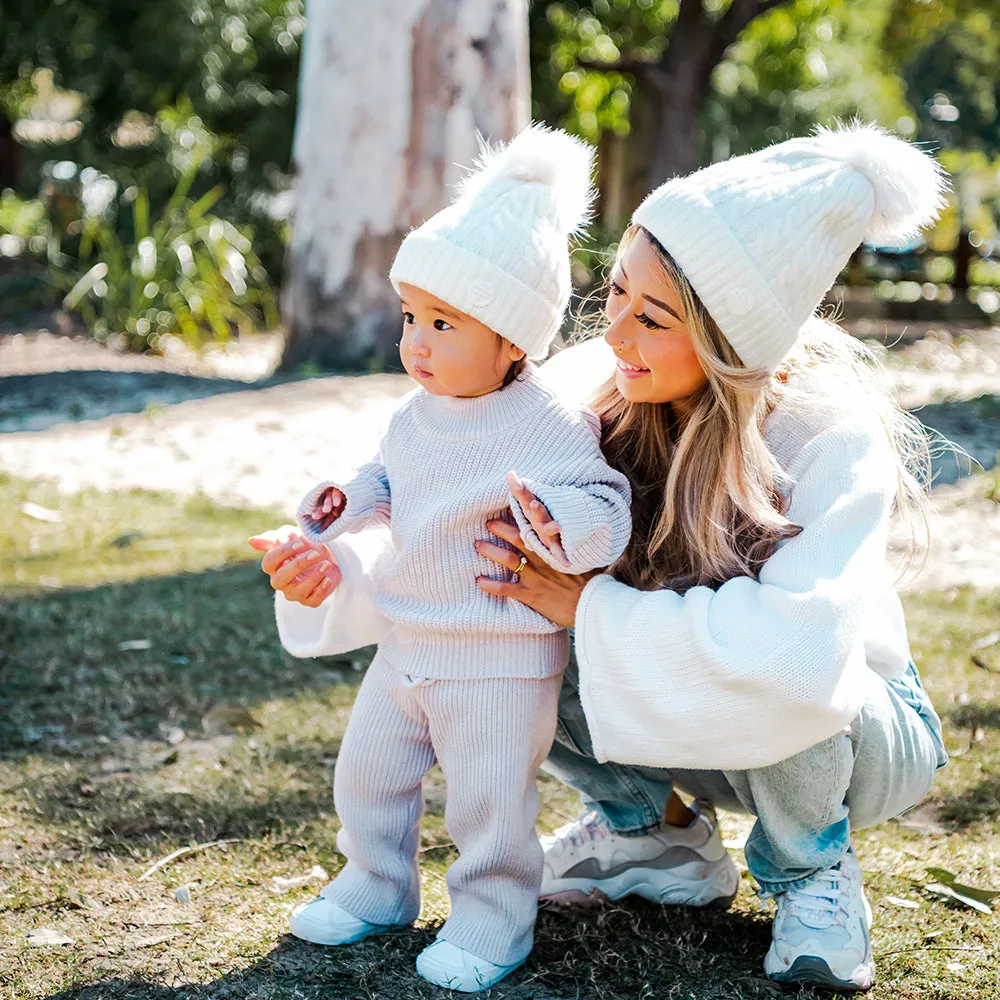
pixel 805 806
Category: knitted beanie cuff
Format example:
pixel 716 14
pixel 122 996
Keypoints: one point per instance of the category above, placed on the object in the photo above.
pixel 478 288
pixel 726 279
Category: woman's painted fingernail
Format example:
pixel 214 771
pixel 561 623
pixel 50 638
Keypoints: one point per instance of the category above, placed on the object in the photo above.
pixel 324 566
pixel 297 545
pixel 313 555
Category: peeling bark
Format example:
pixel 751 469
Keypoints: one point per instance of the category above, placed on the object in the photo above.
pixel 393 94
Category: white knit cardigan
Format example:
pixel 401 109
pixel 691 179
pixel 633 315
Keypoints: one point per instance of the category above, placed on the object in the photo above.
pixel 738 677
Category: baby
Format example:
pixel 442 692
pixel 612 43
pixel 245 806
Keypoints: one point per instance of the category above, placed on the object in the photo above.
pixel 463 678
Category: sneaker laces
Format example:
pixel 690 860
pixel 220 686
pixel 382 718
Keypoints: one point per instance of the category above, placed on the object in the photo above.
pixel 821 902
pixel 590 827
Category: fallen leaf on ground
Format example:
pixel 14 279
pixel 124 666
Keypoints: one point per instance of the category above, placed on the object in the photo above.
pixel 124 541
pixel 182 894
pixel 226 718
pixel 42 936
pixel 83 901
pixel 40 513
pixel 947 886
pixel 950 879
pixel 984 642
pixel 284 884
pixel 908 904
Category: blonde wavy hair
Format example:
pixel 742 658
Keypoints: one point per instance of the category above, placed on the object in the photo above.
pixel 708 497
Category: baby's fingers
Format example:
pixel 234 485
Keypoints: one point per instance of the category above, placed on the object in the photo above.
pixel 549 531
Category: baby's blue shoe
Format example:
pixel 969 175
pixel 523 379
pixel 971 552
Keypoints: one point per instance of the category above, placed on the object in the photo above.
pixel 322 921
pixel 454 968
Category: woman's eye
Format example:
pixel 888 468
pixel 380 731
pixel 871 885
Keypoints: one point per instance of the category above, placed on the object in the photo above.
pixel 616 289
pixel 408 319
pixel 440 324
pixel 647 322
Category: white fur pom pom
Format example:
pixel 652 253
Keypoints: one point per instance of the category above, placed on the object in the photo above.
pixel 541 155
pixel 909 184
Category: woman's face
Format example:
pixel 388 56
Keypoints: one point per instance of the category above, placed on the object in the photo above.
pixel 656 361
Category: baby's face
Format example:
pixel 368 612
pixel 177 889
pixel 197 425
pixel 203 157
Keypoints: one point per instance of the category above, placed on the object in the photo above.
pixel 448 352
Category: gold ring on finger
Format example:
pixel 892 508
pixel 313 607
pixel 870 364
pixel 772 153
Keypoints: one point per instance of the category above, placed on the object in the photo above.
pixel 520 566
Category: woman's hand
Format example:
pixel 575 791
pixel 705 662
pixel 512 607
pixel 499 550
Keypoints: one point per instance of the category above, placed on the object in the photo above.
pixel 543 589
pixel 305 572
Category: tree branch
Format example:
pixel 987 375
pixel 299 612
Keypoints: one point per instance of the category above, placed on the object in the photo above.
pixel 739 15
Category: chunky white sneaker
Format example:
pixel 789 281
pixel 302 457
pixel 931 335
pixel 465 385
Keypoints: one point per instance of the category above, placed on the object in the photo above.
pixel 821 932
pixel 454 968
pixel 587 862
pixel 321 921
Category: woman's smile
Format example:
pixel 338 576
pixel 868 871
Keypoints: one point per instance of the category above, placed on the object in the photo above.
pixel 631 371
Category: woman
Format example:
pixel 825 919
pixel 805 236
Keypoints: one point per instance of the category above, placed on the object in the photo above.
pixel 748 647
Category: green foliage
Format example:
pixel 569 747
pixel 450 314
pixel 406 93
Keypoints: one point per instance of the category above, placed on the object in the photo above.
pixel 187 272
pixel 790 68
pixel 806 62
pixel 162 83
pixel 952 77
pixel 570 40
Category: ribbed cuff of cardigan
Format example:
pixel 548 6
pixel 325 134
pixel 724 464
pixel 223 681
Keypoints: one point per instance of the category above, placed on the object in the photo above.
pixel 591 591
pixel 594 532
pixel 361 507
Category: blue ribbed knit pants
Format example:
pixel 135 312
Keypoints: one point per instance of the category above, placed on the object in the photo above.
pixel 490 735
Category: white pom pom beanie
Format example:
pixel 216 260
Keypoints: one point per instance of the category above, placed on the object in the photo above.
pixel 500 251
pixel 762 237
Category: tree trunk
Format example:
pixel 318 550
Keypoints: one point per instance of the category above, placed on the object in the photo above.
pixel 681 84
pixel 680 81
pixel 393 93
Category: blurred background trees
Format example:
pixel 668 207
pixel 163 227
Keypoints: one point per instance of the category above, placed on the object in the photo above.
pixel 108 110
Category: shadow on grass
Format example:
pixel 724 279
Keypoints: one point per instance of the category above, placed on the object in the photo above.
pixel 38 401
pixel 621 953
pixel 980 801
pixel 164 711
pixel 128 661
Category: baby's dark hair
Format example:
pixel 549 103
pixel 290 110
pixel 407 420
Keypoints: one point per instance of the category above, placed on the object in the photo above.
pixel 512 373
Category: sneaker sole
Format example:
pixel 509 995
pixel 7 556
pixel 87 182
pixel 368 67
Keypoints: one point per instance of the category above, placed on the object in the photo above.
pixel 680 889
pixel 809 970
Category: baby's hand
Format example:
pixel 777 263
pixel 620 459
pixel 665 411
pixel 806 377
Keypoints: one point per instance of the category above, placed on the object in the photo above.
pixel 328 507
pixel 548 531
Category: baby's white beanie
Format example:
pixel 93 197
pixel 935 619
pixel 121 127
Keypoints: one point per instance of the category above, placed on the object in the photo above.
pixel 500 251
pixel 762 237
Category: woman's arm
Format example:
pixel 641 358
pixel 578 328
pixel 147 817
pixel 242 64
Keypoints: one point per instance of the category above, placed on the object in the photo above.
pixel 758 670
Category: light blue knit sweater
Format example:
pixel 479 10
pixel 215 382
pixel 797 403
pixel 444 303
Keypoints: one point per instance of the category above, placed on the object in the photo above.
pixel 439 477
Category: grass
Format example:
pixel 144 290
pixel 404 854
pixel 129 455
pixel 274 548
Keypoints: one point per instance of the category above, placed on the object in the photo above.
pixel 145 706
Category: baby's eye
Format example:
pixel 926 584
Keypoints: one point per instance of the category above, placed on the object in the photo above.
pixel 408 319
pixel 440 324
pixel 648 323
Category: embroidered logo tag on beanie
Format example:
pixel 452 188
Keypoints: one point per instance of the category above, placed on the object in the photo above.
pixel 481 293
